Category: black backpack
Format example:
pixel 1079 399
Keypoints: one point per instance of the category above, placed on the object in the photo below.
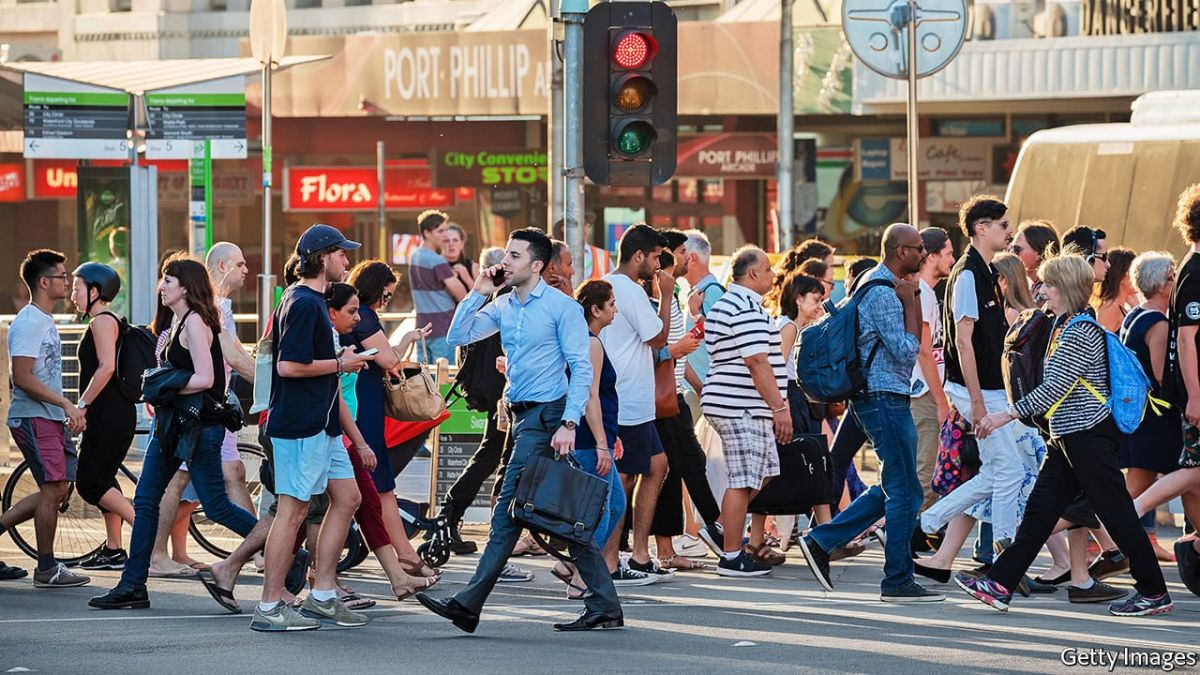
pixel 135 355
pixel 1024 358
pixel 477 380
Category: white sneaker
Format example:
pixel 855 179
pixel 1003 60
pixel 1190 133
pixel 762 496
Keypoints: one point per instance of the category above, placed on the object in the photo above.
pixel 689 547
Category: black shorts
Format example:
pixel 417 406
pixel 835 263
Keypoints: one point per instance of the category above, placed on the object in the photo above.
pixel 639 442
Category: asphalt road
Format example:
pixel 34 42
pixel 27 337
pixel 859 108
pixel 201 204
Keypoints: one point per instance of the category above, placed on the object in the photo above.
pixel 698 623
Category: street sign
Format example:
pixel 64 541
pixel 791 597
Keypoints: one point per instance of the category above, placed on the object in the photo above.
pixel 209 111
pixel 877 31
pixel 200 198
pixel 69 120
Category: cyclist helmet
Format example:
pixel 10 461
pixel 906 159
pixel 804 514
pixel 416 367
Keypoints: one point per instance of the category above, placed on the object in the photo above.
pixel 101 277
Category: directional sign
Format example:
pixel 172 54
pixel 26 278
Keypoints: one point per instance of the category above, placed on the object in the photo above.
pixel 208 111
pixel 69 120
pixel 877 31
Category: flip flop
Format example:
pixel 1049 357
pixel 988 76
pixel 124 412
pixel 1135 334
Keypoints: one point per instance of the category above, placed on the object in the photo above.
pixel 200 566
pixel 184 572
pixel 223 597
pixel 10 572
pixel 354 601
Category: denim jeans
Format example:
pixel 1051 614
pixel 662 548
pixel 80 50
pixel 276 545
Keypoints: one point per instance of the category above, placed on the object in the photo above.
pixel 532 430
pixel 439 348
pixel 615 507
pixel 888 423
pixel 983 544
pixel 204 469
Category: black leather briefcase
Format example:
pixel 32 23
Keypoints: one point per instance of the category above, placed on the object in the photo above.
pixel 556 497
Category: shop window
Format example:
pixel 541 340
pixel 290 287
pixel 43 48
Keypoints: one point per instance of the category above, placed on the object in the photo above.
pixel 977 126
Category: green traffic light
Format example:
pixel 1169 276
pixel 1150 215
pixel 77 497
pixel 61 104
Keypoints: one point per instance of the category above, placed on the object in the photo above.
pixel 633 139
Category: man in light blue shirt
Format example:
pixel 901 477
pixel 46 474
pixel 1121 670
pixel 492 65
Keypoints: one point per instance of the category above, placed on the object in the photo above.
pixel 706 290
pixel 543 334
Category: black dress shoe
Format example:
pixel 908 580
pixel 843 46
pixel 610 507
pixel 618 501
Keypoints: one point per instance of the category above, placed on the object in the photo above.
pixel 463 618
pixel 590 620
pixel 940 576
pixel 1055 581
pixel 121 599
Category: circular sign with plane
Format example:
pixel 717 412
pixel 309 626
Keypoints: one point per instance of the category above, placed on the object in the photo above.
pixel 877 31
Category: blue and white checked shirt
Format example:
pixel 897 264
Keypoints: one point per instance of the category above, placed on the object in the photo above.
pixel 881 320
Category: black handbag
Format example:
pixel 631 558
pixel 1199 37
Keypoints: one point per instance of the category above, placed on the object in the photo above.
pixel 805 478
pixel 559 499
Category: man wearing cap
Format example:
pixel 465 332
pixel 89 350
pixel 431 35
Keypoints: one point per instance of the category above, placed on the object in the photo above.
pixel 305 428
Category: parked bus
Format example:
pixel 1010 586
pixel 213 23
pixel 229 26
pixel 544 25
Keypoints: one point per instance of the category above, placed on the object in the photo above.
pixel 1122 178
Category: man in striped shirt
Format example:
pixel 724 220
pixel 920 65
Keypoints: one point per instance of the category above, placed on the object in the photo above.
pixel 744 398
pixel 436 289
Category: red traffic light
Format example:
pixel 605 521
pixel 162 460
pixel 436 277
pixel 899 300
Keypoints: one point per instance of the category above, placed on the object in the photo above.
pixel 633 49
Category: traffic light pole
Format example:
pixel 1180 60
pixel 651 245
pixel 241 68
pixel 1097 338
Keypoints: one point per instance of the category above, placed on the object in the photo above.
pixel 555 200
pixel 784 183
pixel 573 13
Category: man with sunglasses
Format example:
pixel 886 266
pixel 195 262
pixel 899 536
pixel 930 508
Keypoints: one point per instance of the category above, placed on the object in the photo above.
pixel 40 419
pixel 975 325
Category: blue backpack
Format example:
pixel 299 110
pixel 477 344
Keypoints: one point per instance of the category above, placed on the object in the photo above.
pixel 828 366
pixel 1127 383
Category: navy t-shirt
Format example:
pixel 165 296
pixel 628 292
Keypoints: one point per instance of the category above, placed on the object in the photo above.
pixel 370 383
pixel 302 407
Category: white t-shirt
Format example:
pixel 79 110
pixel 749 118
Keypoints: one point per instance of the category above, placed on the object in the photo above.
pixel 33 334
pixel 931 314
pixel 625 343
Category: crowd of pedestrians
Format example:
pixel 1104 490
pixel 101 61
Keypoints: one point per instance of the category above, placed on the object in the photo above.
pixel 609 372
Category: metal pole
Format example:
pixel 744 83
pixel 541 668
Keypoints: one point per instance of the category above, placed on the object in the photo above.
pixel 784 184
pixel 382 212
pixel 555 198
pixel 573 13
pixel 266 280
pixel 913 139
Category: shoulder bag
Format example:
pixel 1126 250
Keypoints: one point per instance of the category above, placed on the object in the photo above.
pixel 414 396
pixel 556 497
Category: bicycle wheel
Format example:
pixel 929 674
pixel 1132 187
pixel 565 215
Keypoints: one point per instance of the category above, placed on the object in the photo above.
pixel 215 537
pixel 80 530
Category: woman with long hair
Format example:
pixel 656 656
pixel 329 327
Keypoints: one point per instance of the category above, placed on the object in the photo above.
pixel 344 315
pixel 1013 285
pixel 1036 242
pixel 111 416
pixel 454 250
pixel 192 346
pixel 375 282
pixel 1117 294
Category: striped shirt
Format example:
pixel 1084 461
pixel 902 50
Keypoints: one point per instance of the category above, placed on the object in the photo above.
pixel 428 272
pixel 674 334
pixel 738 327
pixel 1079 351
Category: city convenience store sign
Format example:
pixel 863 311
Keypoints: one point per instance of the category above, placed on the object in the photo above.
pixel 490 168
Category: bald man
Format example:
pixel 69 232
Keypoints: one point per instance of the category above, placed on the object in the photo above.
pixel 889 317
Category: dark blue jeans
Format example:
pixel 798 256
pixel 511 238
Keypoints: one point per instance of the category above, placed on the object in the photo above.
pixel 532 430
pixel 204 468
pixel 887 422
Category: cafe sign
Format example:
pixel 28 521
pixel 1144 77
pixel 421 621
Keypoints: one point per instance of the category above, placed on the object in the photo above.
pixel 356 188
pixel 490 168
pixel 940 158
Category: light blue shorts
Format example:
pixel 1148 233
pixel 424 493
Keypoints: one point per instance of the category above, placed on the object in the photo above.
pixel 304 466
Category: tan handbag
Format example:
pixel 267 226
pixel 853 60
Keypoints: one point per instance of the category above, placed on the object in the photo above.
pixel 414 397
pixel 666 403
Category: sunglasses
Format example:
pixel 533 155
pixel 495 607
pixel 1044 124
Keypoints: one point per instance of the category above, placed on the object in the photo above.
pixel 1017 249
pixel 62 277
pixel 1102 257
pixel 918 247
pixel 387 296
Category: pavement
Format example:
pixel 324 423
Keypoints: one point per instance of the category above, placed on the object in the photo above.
pixel 697 623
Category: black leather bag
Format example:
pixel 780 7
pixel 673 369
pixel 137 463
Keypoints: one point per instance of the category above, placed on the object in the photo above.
pixel 805 478
pixel 558 498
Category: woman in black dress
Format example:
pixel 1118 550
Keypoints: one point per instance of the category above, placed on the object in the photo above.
pixel 111 416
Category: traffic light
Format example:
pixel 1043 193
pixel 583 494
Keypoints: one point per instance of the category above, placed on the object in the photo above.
pixel 629 93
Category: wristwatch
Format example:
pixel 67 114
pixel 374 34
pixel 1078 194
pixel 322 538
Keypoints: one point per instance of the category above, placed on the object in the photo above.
pixel 568 424
pixel 82 404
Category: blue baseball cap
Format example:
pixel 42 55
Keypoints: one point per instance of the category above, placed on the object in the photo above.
pixel 321 236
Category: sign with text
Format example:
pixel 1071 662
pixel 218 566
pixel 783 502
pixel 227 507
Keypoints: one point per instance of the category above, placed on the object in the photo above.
pixel 456 440
pixel 940 158
pixel 12 182
pixel 729 155
pixel 490 168
pixel 1122 17
pixel 208 111
pixel 356 188
pixel 69 120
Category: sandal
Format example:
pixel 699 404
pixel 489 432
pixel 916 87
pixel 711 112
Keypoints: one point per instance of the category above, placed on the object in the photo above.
pixel 766 555
pixel 566 577
pixel 223 597
pixel 418 568
pixel 407 592
pixel 688 565
pixel 354 601
pixel 527 546
pixel 577 592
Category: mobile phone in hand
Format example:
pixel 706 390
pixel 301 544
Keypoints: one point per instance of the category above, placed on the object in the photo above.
pixel 499 277
pixel 369 352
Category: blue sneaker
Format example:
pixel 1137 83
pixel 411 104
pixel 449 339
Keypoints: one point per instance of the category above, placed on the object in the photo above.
pixel 985 590
pixel 1141 605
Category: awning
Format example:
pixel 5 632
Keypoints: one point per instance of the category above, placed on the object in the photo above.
pixel 138 77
